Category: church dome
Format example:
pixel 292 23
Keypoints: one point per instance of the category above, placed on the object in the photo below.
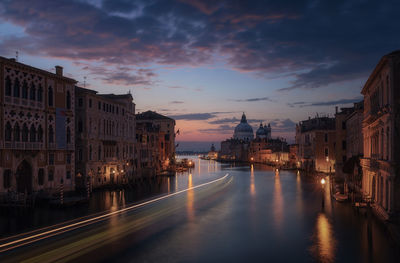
pixel 243 130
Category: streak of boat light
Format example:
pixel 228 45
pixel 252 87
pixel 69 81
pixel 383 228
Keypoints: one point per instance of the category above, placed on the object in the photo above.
pixel 66 228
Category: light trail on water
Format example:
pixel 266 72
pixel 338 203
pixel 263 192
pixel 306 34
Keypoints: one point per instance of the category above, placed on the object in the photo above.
pixel 7 246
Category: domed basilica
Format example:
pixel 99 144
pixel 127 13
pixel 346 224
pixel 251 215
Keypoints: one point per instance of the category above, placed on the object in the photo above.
pixel 243 130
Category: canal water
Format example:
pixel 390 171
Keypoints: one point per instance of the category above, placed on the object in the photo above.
pixel 258 215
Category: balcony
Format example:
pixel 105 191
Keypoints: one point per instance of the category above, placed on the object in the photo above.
pixel 24 145
pixel 23 102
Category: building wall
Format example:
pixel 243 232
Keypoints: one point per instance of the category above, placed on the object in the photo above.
pixel 316 144
pixel 105 131
pixel 35 155
pixel 380 136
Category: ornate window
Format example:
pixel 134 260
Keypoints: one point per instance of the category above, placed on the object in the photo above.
pixel 41 176
pixel 50 96
pixel 17 132
pixel 40 134
pixel 51 175
pixel 51 134
pixel 387 143
pixel 16 88
pixel 40 93
pixel 68 100
pixel 8 86
pixel 7 178
pixel 7 133
pixel 32 92
pixel 99 153
pixel 25 133
pixel 80 125
pixel 68 135
pixel 25 90
pixel 33 133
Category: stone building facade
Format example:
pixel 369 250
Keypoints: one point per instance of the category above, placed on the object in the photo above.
pixel 37 129
pixel 381 126
pixel 105 138
pixel 315 138
pixel 148 148
pixel 340 141
pixel 166 137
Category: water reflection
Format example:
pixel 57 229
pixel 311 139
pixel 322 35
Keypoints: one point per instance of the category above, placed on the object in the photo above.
pixel 324 243
pixel 252 185
pixel 299 193
pixel 190 199
pixel 278 201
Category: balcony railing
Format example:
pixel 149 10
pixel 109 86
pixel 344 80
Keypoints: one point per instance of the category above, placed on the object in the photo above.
pixel 23 102
pixel 24 145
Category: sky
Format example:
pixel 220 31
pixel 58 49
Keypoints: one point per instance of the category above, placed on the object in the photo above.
pixel 204 63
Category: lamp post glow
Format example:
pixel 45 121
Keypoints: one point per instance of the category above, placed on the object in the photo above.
pixel 323 182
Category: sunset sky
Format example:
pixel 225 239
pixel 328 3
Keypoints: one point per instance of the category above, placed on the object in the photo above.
pixel 203 63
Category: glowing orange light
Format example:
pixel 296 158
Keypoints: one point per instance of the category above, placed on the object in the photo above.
pixel 322 181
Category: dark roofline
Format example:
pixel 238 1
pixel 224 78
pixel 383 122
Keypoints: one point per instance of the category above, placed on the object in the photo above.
pixel 377 68
pixel 85 90
pixel 151 115
pixel 41 71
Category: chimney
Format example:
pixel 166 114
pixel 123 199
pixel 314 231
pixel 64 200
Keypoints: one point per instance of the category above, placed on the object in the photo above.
pixel 336 109
pixel 59 71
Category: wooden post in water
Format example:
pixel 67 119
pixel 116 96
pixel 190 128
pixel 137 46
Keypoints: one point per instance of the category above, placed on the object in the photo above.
pixel 62 192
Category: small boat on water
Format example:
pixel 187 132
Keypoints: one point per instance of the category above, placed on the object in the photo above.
pixel 340 197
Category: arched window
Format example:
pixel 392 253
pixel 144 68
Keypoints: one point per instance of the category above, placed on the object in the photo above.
pixel 99 153
pixel 7 178
pixel 25 90
pixel 382 144
pixel 16 88
pixel 41 176
pixel 68 100
pixel 33 133
pixel 40 93
pixel 32 92
pixel 17 132
pixel 387 143
pixel 90 152
pixel 25 133
pixel 80 125
pixel 50 96
pixel 7 133
pixel 8 86
pixel 51 134
pixel 40 134
pixel 68 135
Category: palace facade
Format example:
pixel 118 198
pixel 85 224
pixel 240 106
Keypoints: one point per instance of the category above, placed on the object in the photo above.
pixel 37 123
pixel 380 128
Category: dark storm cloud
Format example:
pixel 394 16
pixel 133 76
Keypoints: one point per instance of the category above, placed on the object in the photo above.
pixel 316 43
pixel 233 120
pixel 254 99
pixel 193 116
pixel 197 116
pixel 122 6
pixel 324 103
pixel 120 75
pixel 221 129
pixel 283 125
